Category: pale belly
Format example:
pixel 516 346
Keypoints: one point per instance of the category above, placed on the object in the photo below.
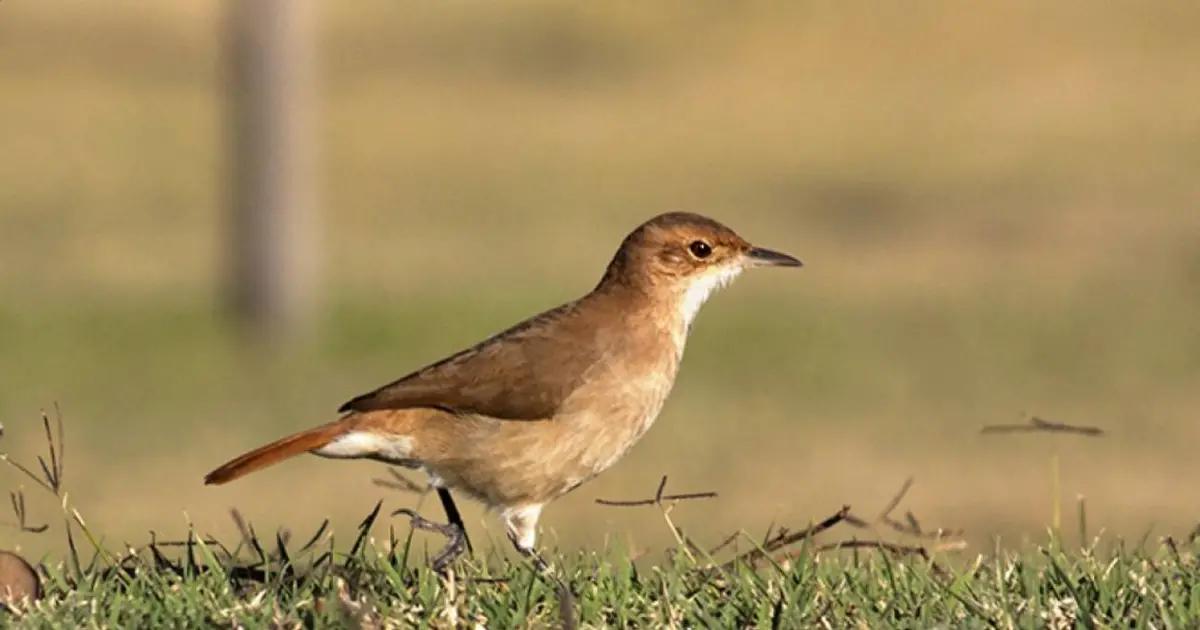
pixel 532 462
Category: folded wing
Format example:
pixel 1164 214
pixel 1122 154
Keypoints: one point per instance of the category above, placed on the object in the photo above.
pixel 523 373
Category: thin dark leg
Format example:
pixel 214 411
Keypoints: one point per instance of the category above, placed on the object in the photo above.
pixel 538 561
pixel 453 516
pixel 566 599
pixel 456 538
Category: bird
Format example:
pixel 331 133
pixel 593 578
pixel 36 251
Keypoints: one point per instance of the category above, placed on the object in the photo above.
pixel 533 412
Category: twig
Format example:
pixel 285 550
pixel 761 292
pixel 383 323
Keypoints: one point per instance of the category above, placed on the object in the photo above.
pixel 243 529
pixel 400 482
pixel 18 506
pixel 51 477
pixel 1170 542
pixel 1037 424
pixel 785 538
pixel 28 473
pixel 884 546
pixel 364 528
pixel 659 497
pixel 312 541
pixel 62 442
pixel 681 539
pixel 876 544
pixel 891 505
pixel 52 471
pixel 947 545
pixel 74 552
pixel 182 543
pixel 855 521
pixel 724 543
pixel 911 527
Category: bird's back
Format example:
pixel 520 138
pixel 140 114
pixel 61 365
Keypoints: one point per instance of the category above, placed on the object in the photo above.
pixel 522 373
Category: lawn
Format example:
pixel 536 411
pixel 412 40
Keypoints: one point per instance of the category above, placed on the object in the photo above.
pixel 839 570
pixel 834 580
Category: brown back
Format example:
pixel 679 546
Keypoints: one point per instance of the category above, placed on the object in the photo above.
pixel 523 373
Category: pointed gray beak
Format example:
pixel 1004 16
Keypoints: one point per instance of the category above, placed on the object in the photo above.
pixel 760 257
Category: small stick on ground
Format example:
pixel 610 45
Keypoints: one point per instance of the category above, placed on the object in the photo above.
pixel 724 543
pixel 881 545
pixel 910 527
pixel 315 537
pixel 243 529
pixel 18 506
pixel 876 544
pixel 895 502
pixel 659 497
pixel 1037 424
pixel 785 538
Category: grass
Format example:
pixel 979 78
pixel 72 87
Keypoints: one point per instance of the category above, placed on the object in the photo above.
pixel 382 582
pixel 843 571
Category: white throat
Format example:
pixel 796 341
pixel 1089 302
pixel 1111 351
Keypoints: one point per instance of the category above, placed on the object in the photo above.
pixel 698 292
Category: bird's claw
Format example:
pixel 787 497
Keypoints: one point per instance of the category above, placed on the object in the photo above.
pixel 456 538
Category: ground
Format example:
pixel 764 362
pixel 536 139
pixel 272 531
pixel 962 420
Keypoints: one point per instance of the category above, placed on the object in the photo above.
pixel 384 583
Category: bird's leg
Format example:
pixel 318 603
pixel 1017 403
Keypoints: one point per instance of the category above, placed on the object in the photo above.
pixel 456 538
pixel 536 558
pixel 521 524
pixel 566 598
pixel 452 515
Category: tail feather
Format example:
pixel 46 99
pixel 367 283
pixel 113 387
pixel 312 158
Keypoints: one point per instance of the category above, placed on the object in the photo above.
pixel 276 452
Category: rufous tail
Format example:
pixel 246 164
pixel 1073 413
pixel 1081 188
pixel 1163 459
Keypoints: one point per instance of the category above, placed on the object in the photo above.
pixel 276 452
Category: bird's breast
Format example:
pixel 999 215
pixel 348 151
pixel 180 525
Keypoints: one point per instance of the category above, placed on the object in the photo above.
pixel 614 407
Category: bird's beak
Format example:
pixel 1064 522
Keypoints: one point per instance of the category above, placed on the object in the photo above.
pixel 760 257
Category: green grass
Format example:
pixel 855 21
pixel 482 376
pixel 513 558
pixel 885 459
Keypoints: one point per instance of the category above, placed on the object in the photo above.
pixel 840 571
pixel 384 582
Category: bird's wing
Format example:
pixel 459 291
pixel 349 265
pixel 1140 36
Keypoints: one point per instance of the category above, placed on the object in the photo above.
pixel 523 373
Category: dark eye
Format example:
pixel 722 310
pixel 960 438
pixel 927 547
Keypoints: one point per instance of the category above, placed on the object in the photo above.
pixel 700 249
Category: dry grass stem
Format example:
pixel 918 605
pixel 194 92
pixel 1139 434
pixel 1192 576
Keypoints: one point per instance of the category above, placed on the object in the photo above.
pixel 1036 425
pixel 784 538
pixel 659 497
pixel 401 483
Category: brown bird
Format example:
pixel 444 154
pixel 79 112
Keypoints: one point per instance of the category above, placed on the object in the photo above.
pixel 530 414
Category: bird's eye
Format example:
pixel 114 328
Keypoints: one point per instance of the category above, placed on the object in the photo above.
pixel 700 249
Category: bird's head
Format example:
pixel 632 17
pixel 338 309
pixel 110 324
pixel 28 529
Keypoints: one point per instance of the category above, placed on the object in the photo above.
pixel 685 257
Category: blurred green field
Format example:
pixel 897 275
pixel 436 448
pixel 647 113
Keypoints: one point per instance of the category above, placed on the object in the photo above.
pixel 997 205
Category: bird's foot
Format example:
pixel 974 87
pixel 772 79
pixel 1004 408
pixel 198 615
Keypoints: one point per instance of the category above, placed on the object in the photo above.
pixel 566 598
pixel 456 538
pixel 538 561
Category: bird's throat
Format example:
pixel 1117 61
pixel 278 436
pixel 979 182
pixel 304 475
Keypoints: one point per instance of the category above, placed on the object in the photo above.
pixel 696 293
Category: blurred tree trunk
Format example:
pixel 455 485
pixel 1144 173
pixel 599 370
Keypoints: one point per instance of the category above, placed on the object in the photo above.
pixel 273 226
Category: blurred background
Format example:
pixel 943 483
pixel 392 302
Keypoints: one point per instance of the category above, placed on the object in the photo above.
pixel 997 204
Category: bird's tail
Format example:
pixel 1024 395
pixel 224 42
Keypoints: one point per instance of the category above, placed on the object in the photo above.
pixel 276 452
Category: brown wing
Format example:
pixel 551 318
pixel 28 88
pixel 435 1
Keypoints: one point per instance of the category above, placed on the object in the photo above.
pixel 523 373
